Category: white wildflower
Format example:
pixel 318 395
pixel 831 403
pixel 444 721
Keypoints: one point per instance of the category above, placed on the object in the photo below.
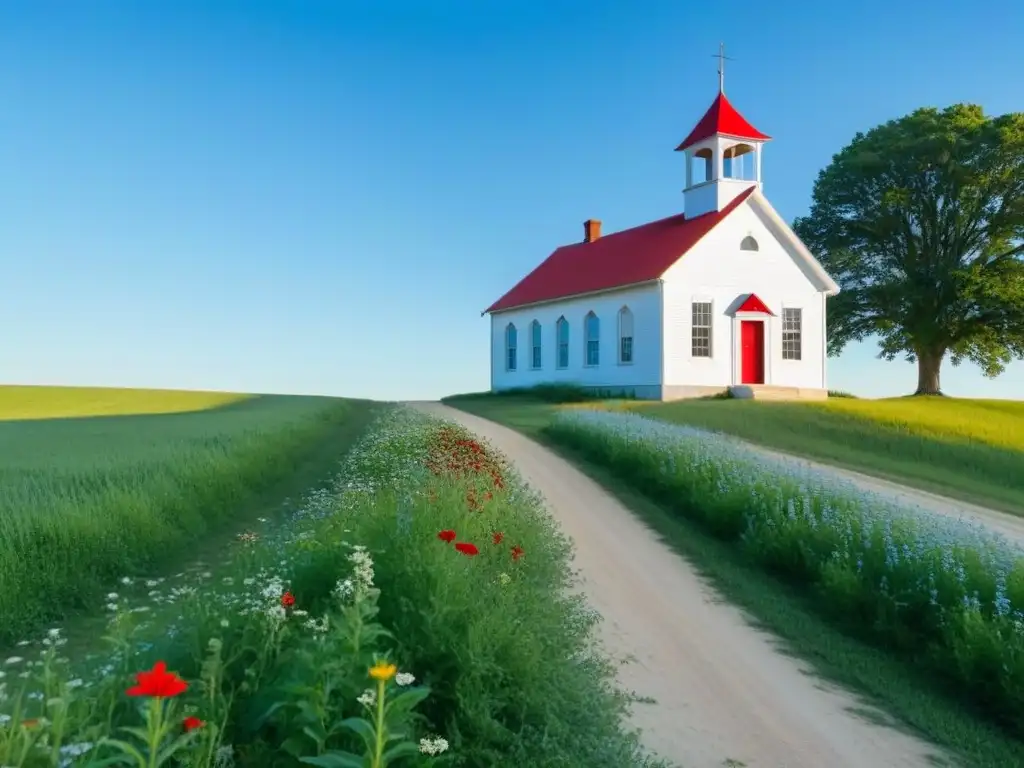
pixel 368 697
pixel 224 756
pixel 277 612
pixel 70 751
pixel 433 746
pixel 404 678
pixel 343 589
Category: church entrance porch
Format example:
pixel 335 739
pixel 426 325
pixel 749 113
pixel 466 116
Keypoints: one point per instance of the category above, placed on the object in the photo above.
pixel 751 321
pixel 752 352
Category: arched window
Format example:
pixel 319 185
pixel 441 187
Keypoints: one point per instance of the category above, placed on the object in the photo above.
pixel 510 347
pixel 535 344
pixel 749 244
pixel 562 335
pixel 625 336
pixel 592 334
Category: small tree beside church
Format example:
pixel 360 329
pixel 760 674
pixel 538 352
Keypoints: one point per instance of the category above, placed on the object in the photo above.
pixel 921 222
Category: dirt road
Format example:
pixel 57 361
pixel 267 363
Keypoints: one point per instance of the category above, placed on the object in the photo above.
pixel 721 690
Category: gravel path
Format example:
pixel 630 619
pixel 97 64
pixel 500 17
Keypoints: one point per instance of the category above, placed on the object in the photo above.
pixel 723 694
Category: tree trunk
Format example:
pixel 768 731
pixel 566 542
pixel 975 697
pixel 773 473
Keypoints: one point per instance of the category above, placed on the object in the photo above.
pixel 929 363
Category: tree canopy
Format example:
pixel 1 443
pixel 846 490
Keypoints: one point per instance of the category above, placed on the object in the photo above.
pixel 921 223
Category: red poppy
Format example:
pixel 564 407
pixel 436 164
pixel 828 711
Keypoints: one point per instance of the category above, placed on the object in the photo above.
pixel 287 599
pixel 466 548
pixel 447 536
pixel 517 552
pixel 190 723
pixel 497 537
pixel 158 682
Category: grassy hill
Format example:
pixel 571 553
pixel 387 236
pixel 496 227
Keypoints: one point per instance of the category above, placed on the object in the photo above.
pixel 22 402
pixel 149 476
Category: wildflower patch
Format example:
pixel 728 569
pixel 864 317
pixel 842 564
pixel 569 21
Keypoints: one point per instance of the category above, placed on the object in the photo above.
pixel 947 594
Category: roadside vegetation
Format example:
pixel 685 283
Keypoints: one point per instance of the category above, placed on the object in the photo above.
pixel 921 615
pixel 86 501
pixel 964 449
pixel 411 612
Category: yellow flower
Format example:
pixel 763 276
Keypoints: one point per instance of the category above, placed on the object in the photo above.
pixel 383 671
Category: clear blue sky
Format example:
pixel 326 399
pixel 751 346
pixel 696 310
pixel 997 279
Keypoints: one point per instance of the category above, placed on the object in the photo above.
pixel 320 197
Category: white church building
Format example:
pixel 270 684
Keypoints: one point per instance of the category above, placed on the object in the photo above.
pixel 724 297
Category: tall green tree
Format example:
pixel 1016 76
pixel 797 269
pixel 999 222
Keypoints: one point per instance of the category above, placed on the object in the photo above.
pixel 921 223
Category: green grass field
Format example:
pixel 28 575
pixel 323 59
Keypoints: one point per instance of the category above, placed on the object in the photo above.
pixel 916 701
pixel 88 500
pixel 965 449
pixel 970 450
pixel 19 403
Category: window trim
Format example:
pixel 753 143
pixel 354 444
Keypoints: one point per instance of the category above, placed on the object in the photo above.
pixel 799 333
pixel 632 336
pixel 586 340
pixel 536 346
pixel 559 324
pixel 710 326
pixel 511 349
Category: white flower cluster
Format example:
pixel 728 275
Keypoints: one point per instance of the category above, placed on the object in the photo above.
pixel 433 746
pixel 367 698
pixel 362 571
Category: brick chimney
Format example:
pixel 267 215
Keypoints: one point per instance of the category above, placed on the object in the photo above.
pixel 591 230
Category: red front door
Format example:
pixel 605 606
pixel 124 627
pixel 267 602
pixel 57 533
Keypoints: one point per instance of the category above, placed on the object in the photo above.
pixel 751 352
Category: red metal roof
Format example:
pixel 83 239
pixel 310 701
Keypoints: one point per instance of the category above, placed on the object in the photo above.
pixel 753 303
pixel 722 117
pixel 631 256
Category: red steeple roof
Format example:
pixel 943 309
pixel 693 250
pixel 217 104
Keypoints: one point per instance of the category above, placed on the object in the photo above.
pixel 632 256
pixel 722 117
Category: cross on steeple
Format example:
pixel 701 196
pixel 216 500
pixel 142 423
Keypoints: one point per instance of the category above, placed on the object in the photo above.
pixel 722 58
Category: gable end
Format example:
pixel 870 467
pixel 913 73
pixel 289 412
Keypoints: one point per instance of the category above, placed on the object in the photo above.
pixel 788 239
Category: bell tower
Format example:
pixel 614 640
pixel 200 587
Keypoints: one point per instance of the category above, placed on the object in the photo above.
pixel 723 155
